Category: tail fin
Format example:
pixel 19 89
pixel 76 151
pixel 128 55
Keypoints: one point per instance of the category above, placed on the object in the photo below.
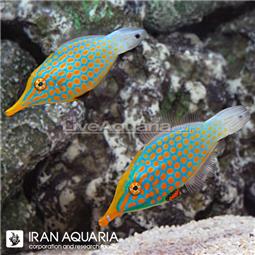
pixel 230 119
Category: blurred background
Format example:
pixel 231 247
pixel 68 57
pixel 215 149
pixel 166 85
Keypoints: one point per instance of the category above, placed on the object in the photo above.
pixel 198 57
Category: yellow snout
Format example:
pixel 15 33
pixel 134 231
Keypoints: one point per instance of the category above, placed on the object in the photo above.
pixel 14 109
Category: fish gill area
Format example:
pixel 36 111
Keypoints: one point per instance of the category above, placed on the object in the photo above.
pixel 198 57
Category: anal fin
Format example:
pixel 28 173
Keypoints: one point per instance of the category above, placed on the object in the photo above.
pixel 219 149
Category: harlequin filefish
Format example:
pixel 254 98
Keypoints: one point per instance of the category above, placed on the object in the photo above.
pixel 173 162
pixel 75 68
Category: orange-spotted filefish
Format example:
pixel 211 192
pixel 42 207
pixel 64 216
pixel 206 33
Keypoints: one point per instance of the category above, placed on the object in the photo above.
pixel 173 162
pixel 75 68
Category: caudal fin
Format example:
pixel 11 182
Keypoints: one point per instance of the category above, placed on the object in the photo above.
pixel 231 119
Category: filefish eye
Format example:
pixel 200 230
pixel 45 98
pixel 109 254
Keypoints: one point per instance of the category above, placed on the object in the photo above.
pixel 40 84
pixel 135 188
pixel 137 36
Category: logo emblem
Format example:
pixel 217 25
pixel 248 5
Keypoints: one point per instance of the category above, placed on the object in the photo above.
pixel 14 238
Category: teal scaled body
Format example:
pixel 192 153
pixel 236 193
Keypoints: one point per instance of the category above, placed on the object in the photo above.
pixel 75 68
pixel 170 159
pixel 175 161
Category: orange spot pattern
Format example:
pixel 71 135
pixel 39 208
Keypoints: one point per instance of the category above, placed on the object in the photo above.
pixel 75 68
pixel 171 159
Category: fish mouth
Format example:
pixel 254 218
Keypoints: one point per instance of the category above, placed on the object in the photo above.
pixel 112 211
pixel 108 217
pixel 14 109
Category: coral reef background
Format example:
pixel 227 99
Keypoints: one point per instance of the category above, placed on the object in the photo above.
pixel 198 57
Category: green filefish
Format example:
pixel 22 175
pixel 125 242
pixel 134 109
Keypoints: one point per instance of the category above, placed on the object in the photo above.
pixel 76 67
pixel 173 162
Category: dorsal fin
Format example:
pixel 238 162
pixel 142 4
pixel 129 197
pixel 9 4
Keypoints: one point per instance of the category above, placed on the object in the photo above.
pixel 147 136
pixel 166 123
pixel 88 37
pixel 147 131
pixel 207 169
pixel 66 41
pixel 174 121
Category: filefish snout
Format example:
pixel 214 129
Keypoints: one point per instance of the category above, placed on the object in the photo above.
pixel 133 193
pixel 20 104
pixel 14 109
pixel 32 95
pixel 110 215
pixel 116 209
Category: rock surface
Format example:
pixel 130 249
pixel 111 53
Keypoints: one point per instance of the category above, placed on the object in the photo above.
pixel 65 181
pixel 219 235
pixel 30 135
pixel 163 17
pixel 50 23
pixel 27 138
